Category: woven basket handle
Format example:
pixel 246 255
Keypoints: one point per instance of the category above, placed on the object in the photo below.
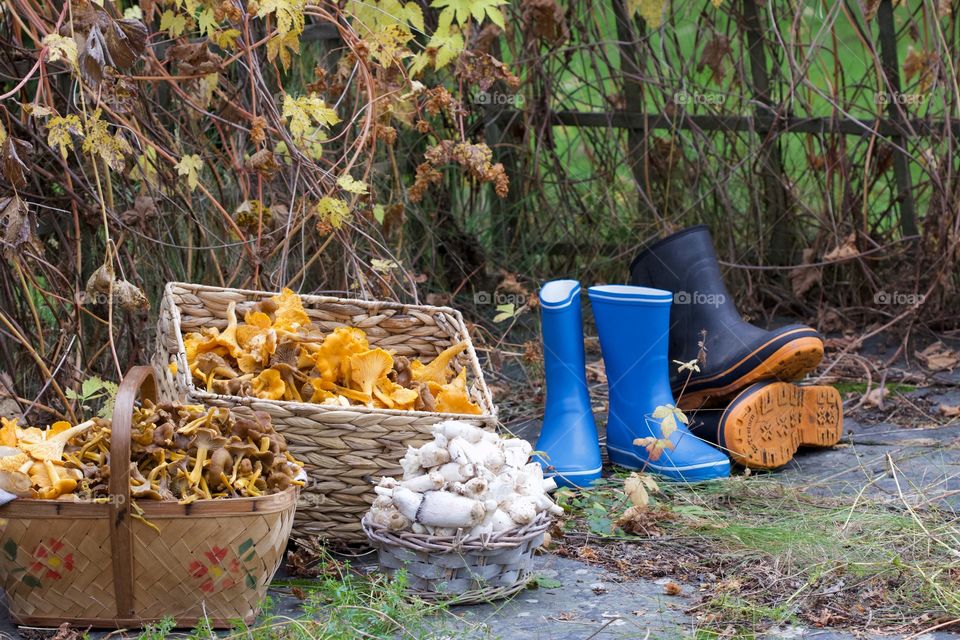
pixel 138 381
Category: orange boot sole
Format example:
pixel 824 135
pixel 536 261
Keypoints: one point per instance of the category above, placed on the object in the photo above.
pixel 765 425
pixel 790 362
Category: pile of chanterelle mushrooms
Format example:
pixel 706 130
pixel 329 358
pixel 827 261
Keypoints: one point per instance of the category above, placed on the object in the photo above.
pixel 466 481
pixel 178 452
pixel 277 353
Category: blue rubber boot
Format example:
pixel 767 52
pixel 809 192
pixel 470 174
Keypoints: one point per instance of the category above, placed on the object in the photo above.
pixel 634 327
pixel 568 437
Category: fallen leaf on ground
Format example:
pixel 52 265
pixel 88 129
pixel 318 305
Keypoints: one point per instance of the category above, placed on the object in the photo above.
pixel 939 357
pixel 672 589
pixel 875 397
pixel 951 411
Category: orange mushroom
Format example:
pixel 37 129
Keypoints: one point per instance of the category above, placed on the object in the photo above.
pixel 436 370
pixel 367 368
pixel 289 315
pixel 269 385
pixel 343 343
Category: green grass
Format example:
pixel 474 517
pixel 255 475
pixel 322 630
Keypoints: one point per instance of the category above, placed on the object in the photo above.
pixel 861 387
pixel 341 606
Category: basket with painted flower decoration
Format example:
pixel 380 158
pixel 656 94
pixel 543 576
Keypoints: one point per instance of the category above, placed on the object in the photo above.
pixel 117 562
pixel 349 383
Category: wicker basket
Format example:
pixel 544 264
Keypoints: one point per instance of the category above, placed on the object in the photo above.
pixel 212 559
pixel 345 450
pixel 460 570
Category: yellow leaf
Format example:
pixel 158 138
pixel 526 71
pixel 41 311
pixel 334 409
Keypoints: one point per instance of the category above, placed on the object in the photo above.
pixel 283 46
pixel 227 39
pixel 60 132
pixel 288 14
pixel 304 112
pixel 333 211
pixel 190 166
pixel 717 3
pixel 207 22
pixel 650 10
pixel 347 183
pixel 462 10
pixel 98 142
pixel 173 23
pixel 60 47
pixel 446 42
pixel 133 13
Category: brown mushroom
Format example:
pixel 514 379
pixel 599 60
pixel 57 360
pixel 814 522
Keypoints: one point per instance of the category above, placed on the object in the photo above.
pixel 207 440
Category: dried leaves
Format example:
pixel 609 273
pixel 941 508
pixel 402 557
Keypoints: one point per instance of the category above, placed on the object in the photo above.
pixel 12 151
pixel 544 19
pixel 18 228
pixel 104 41
pixel 103 285
pixel 476 159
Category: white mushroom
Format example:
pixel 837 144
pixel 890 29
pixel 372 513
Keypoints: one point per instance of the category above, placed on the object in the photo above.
pixel 433 455
pixel 428 482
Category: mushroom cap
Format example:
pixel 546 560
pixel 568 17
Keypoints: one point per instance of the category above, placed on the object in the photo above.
pixel 269 385
pixel 289 315
pixel 367 368
pixel 209 439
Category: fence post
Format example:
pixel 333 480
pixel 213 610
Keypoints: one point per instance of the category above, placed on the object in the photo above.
pixel 771 162
pixel 889 61
pixel 628 32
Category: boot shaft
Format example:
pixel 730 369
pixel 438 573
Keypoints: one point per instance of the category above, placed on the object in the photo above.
pixel 633 324
pixel 561 326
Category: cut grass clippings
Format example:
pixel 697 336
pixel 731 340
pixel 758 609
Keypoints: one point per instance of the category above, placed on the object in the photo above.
pixel 764 555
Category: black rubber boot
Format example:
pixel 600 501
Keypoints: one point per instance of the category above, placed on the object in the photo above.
pixel 738 354
pixel 767 422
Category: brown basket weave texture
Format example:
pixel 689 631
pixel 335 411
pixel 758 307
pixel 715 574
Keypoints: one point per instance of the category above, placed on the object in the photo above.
pixel 92 564
pixel 345 450
pixel 460 570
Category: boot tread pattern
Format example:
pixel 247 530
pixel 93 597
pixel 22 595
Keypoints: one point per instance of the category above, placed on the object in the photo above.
pixel 764 428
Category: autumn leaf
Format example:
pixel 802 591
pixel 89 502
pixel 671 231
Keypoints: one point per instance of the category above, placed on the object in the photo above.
pixel 333 211
pixel 173 23
pixel 60 132
pixel 462 10
pixel 133 13
pixel 304 112
pixel 446 43
pixel 12 167
pixel 283 46
pixel 347 183
pixel 190 166
pixel 637 488
pixel 668 416
pixel 60 47
pixel 288 14
pixel 207 22
pixel 227 39
pixel 98 141
pixel 650 10
pixel 654 446
pixel 379 213
pixel 384 266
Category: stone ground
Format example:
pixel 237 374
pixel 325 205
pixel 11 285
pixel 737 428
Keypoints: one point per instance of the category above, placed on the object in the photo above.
pixel 592 603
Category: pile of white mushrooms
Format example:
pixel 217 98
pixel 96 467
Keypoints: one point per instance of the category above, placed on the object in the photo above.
pixel 466 481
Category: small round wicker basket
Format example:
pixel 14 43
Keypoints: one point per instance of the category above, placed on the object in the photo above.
pixel 458 569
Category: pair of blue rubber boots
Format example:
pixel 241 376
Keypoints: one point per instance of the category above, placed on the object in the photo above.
pixel 634 327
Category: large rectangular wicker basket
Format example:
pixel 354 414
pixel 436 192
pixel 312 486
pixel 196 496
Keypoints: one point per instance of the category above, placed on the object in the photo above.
pixel 345 450
pixel 93 564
